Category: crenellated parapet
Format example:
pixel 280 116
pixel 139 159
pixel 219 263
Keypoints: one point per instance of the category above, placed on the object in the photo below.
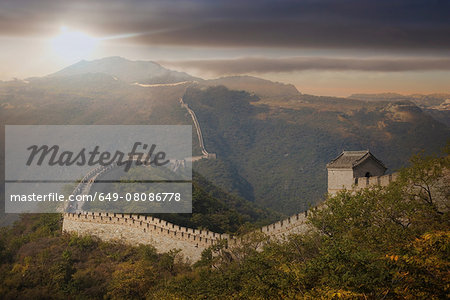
pixel 366 182
pixel 135 229
pixel 149 225
pixel 292 225
pixel 138 229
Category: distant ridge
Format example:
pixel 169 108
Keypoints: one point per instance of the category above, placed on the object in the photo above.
pixel 144 72
pixel 258 86
pixel 427 99
pixel 436 105
pixel 152 73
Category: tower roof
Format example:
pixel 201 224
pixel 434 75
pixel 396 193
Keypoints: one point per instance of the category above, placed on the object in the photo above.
pixel 351 159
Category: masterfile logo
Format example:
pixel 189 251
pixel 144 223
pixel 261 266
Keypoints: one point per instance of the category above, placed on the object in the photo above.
pixel 94 157
pixel 117 168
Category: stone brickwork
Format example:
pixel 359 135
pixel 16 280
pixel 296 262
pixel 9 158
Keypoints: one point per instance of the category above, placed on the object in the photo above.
pixel 339 179
pixel 163 235
pixel 135 230
pixel 295 224
pixel 365 182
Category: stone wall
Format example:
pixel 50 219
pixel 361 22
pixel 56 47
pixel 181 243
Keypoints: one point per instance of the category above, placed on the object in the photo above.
pixel 205 153
pixel 295 224
pixel 339 179
pixel 135 230
pixel 164 236
pixel 365 182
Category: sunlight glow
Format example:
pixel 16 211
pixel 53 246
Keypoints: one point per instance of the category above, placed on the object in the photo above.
pixel 73 45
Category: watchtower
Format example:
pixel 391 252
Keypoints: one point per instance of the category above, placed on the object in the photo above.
pixel 349 165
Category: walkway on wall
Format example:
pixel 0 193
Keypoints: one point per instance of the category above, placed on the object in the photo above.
pixel 205 153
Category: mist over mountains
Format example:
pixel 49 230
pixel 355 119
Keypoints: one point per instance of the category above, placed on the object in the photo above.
pixel 272 142
pixel 261 87
pixel 145 72
pixel 436 105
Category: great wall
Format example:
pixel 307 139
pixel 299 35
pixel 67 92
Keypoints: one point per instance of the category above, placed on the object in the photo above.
pixel 365 182
pixel 164 236
pixel 201 143
pixel 136 229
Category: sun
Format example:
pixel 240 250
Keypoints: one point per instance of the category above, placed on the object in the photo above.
pixel 73 45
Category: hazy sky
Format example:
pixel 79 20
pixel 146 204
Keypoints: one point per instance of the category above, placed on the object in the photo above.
pixel 323 47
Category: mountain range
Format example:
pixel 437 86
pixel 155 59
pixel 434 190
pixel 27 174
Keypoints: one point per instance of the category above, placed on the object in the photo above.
pixel 436 105
pixel 145 72
pixel 148 73
pixel 272 142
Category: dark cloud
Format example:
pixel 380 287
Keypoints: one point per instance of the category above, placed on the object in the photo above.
pixel 382 24
pixel 301 34
pixel 265 65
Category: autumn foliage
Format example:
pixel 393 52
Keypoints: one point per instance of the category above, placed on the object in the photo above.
pixel 379 243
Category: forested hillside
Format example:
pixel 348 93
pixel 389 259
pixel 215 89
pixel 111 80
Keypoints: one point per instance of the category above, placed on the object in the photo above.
pixel 387 243
pixel 275 153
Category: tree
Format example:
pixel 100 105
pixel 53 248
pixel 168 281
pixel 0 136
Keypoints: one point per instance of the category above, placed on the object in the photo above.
pixel 131 281
pixel 423 271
